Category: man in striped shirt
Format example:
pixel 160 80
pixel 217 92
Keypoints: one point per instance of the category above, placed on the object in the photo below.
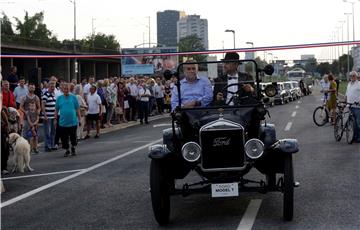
pixel 48 109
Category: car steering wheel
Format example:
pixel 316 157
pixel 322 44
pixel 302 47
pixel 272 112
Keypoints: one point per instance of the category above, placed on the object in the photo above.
pixel 235 96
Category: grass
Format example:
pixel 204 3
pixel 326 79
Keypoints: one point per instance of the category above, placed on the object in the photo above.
pixel 342 87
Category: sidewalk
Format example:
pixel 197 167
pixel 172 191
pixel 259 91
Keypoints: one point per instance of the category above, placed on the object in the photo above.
pixel 110 129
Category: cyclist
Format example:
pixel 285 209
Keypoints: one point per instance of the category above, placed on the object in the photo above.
pixel 353 96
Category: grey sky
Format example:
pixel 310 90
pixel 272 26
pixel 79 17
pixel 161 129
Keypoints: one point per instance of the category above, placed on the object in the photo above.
pixel 263 22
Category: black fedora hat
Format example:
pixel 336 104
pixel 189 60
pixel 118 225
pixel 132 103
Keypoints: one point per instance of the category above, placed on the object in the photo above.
pixel 231 56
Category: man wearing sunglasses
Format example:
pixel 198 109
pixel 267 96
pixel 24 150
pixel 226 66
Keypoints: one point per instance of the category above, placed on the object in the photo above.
pixel 195 91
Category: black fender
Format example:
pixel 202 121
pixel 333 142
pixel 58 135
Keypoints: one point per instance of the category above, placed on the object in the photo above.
pixel 268 134
pixel 158 151
pixel 287 146
pixel 273 158
pixel 161 151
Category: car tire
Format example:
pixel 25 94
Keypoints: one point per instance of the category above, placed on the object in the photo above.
pixel 160 192
pixel 288 186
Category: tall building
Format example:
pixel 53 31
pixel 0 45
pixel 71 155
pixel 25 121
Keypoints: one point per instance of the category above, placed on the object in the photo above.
pixel 193 24
pixel 167 27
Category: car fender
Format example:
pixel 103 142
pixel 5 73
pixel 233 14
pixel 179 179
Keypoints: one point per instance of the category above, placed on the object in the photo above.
pixel 268 134
pixel 158 151
pixel 287 146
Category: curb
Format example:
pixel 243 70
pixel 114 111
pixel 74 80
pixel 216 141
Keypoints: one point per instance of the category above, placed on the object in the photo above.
pixel 123 125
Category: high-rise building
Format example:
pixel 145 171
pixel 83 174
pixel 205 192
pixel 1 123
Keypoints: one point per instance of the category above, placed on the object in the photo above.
pixel 193 24
pixel 355 53
pixel 167 27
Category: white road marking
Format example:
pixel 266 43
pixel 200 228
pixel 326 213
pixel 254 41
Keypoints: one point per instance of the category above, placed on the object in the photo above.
pixel 248 218
pixel 141 141
pixel 299 102
pixel 42 188
pixel 160 125
pixel 293 114
pixel 42 174
pixel 288 126
pixel 296 107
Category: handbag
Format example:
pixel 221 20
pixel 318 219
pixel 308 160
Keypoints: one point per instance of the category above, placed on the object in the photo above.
pixel 119 111
pixel 126 104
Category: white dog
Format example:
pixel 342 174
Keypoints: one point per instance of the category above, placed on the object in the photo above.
pixel 21 151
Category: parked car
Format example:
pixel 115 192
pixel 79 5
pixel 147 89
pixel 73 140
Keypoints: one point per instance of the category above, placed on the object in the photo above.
pixel 283 96
pixel 297 89
pixel 222 143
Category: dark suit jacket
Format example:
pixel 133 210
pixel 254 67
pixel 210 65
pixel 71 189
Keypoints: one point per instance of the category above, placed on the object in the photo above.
pixel 222 81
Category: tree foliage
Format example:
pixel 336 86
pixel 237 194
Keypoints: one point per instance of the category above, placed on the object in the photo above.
pixel 101 41
pixel 192 43
pixel 34 28
pixel 6 27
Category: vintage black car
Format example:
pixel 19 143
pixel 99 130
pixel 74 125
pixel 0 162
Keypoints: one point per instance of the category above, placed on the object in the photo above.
pixel 222 142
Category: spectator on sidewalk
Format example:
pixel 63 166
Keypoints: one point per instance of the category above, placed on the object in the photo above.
pixel 28 99
pixel 83 110
pixel 352 96
pixel 111 98
pixel 32 118
pixel 144 97
pixel 68 106
pixel 88 86
pixel 48 108
pixel 134 92
pixel 8 99
pixel 13 78
pixel 121 99
pixel 94 112
pixel 159 95
pixel 20 91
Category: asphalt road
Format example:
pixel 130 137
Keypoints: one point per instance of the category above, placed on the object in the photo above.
pixel 109 187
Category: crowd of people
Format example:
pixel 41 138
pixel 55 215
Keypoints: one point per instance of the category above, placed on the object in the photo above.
pixel 70 110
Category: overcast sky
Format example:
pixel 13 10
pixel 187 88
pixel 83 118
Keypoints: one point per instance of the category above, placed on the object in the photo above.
pixel 263 22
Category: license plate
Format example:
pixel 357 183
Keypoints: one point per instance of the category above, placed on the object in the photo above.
pixel 224 190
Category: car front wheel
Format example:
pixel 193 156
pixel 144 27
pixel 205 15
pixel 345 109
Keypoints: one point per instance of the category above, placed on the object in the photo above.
pixel 160 192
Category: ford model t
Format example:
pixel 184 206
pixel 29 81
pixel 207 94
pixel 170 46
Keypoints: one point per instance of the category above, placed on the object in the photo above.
pixel 221 138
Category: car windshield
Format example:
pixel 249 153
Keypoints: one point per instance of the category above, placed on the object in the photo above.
pixel 215 84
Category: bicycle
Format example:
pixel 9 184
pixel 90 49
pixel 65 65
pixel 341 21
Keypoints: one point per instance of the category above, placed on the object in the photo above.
pixel 349 126
pixel 321 114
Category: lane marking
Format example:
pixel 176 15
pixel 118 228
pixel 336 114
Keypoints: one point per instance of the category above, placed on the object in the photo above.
pixel 52 184
pixel 296 107
pixel 248 218
pixel 293 114
pixel 299 102
pixel 160 125
pixel 42 174
pixel 288 126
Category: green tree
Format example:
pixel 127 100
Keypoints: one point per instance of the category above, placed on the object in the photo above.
pixel 310 65
pixel 33 28
pixel 323 68
pixel 101 41
pixel 191 43
pixel 343 63
pixel 6 27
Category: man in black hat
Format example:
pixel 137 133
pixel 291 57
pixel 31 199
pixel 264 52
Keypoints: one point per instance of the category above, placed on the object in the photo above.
pixel 232 76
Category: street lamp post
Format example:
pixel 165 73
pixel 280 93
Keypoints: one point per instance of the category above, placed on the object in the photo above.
pixel 342 35
pixel 252 46
pixel 74 47
pixel 348 53
pixel 232 31
pixel 149 31
pixel 353 15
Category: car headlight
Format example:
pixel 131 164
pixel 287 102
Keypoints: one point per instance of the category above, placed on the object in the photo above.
pixel 254 148
pixel 191 151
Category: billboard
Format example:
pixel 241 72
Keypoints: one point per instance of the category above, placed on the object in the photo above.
pixel 148 64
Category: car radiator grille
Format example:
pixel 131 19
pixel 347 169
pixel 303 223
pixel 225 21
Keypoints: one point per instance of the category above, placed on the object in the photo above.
pixel 222 149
